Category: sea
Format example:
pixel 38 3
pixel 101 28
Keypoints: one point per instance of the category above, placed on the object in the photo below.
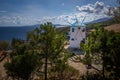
pixel 8 33
pixel 19 32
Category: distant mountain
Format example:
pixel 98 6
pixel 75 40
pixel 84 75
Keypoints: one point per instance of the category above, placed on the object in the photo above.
pixel 59 25
pixel 36 25
pixel 56 25
pixel 100 20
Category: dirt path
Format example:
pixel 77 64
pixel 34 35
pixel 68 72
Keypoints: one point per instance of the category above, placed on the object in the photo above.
pixel 78 65
pixel 2 70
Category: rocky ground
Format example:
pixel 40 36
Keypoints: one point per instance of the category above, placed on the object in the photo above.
pixel 2 70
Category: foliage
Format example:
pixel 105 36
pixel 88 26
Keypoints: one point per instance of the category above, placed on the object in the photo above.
pixel 106 43
pixel 63 30
pixel 4 45
pixel 44 45
pixel 62 71
pixel 22 62
pixel 50 45
pixel 90 47
pixel 91 76
pixel 113 56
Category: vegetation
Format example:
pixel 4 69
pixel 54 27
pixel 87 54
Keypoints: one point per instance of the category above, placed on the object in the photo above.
pixel 104 46
pixel 63 30
pixel 23 62
pixel 42 52
pixel 107 44
pixel 4 45
pixel 62 71
pixel 50 45
pixel 91 76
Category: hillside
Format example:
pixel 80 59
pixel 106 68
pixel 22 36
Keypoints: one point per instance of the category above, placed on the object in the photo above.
pixel 64 30
pixel 114 27
pixel 102 23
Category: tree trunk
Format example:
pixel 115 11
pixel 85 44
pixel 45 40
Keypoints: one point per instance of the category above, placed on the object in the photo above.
pixel 46 59
pixel 103 66
pixel 46 67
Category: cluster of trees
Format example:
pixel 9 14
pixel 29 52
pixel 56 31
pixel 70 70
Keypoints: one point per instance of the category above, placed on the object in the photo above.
pixel 105 45
pixel 23 61
pixel 42 53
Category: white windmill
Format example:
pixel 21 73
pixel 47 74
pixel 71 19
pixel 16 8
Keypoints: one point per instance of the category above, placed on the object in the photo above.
pixel 77 33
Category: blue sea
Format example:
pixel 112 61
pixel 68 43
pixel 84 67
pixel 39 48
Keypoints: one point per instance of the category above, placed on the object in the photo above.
pixel 8 33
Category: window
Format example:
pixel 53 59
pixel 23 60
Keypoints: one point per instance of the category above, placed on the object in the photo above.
pixel 83 30
pixel 83 40
pixel 72 29
pixel 72 39
pixel 68 37
pixel 78 27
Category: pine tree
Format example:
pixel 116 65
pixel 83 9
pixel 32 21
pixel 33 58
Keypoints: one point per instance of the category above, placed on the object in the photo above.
pixel 49 43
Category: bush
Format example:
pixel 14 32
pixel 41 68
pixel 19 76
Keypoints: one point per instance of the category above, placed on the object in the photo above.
pixel 4 45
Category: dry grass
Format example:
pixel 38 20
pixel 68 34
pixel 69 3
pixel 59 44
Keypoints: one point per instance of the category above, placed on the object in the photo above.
pixel 114 27
pixel 79 66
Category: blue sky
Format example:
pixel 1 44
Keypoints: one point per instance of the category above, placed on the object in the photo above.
pixel 29 12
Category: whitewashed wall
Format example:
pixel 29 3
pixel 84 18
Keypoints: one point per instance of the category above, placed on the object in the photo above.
pixel 77 35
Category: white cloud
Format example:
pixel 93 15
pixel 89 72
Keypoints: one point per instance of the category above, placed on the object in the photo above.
pixel 71 18
pixel 98 7
pixel 17 21
pixel 91 11
pixel 87 8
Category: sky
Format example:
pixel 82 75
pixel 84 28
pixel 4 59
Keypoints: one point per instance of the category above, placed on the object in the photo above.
pixel 30 12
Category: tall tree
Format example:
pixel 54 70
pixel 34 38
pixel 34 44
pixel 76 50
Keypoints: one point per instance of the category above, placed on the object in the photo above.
pixel 107 44
pixel 49 42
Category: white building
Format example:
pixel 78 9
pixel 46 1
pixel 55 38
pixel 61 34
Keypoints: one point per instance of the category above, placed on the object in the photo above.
pixel 77 34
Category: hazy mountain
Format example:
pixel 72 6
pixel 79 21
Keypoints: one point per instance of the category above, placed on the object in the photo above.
pixel 101 20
